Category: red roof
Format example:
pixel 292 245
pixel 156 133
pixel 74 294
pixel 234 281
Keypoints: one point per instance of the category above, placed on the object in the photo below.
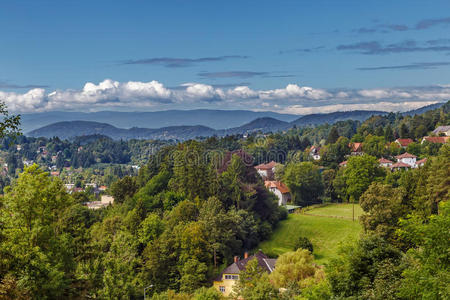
pixel 422 161
pixel 404 142
pixel 356 147
pixel 384 161
pixel 405 155
pixel 267 166
pixel 436 139
pixel 278 185
pixel 400 165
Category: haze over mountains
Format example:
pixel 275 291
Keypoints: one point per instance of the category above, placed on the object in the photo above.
pixel 216 119
pixel 193 123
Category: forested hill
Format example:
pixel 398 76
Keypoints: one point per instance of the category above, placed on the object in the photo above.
pixel 331 118
pixel 71 129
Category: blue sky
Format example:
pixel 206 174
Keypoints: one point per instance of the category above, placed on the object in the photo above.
pixel 287 56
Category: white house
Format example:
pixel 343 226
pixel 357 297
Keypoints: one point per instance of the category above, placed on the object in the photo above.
pixel 314 152
pixel 280 190
pixel 385 162
pixel 407 158
pixel 266 171
pixel 400 166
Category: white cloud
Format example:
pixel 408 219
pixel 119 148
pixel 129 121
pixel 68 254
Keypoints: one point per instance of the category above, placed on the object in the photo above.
pixel 381 106
pixel 33 100
pixel 293 91
pixel 293 98
pixel 199 91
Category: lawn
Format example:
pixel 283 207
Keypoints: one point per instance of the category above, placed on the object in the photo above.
pixel 337 210
pixel 325 232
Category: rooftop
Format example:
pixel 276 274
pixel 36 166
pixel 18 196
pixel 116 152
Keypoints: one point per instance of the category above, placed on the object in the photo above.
pixel 278 185
pixel 405 155
pixel 267 166
pixel 267 264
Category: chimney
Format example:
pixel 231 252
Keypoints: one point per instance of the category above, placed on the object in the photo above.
pixel 246 255
pixel 236 259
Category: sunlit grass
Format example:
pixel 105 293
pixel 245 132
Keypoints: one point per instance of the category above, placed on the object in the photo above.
pixel 325 232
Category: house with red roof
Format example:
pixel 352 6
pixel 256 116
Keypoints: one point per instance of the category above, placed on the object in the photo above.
pixel 280 190
pixel 385 162
pixel 400 166
pixel 356 148
pixel 404 142
pixel 266 170
pixel 407 158
pixel 435 139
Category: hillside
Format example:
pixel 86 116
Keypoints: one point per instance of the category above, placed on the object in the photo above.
pixel 261 124
pixel 217 119
pixel 325 227
pixel 68 130
pixel 331 118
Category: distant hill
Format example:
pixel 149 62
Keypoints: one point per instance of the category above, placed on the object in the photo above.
pixel 71 129
pixel 217 119
pixel 423 109
pixel 261 124
pixel 331 118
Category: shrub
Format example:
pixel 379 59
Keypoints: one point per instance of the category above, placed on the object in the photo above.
pixel 303 243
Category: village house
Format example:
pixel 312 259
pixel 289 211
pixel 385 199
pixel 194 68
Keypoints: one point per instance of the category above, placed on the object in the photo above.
pixel 280 190
pixel 266 171
pixel 105 201
pixel 385 162
pixel 407 158
pixel 400 166
pixel 435 139
pixel 69 187
pixel 230 275
pixel 356 148
pixel 404 142
pixel 314 152
pixel 27 162
pixel 445 130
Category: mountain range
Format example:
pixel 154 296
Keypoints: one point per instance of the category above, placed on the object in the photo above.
pixel 71 129
pixel 216 119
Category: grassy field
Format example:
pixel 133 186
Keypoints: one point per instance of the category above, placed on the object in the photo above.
pixel 329 226
pixel 337 210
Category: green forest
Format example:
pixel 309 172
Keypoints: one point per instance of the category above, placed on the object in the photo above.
pixel 188 208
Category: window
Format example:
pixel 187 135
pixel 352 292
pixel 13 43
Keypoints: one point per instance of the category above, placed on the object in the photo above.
pixel 222 289
pixel 234 277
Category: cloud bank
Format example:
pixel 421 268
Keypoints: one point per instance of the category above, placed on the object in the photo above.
pixel 153 95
